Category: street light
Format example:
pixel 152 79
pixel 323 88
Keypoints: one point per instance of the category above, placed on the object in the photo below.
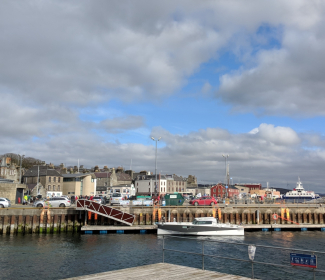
pixel 21 159
pixel 226 157
pixel 156 158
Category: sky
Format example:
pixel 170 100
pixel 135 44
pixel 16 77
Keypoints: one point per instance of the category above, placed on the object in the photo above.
pixel 94 80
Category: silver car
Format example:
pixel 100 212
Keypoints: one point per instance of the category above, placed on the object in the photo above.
pixel 116 198
pixel 53 202
pixel 4 202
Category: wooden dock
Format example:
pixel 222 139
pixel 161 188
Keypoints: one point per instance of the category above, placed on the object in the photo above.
pixel 161 271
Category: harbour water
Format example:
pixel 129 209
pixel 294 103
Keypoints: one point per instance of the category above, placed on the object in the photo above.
pixel 70 255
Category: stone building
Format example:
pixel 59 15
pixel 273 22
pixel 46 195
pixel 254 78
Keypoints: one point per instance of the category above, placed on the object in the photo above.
pixel 9 170
pixel 50 179
pixel 13 191
pixel 176 184
pixel 108 178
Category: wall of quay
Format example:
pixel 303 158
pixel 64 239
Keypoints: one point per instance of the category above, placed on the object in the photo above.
pixel 246 215
pixel 57 220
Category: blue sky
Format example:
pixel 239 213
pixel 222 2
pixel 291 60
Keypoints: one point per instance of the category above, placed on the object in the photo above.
pixel 94 81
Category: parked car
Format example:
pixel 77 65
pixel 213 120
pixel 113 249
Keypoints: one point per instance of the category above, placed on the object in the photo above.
pixel 116 198
pixel 204 200
pixel 4 202
pixel 53 202
pixel 99 199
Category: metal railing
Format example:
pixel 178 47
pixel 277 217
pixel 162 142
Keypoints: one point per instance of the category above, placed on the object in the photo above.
pixel 203 254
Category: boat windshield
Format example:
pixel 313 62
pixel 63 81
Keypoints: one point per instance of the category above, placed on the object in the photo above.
pixel 195 222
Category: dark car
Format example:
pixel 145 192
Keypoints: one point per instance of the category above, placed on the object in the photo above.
pixel 204 200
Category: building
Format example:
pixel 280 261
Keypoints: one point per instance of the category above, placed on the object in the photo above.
pixel 37 190
pixel 107 179
pixel 242 189
pixel 49 178
pixel 11 190
pixel 9 170
pixel 79 184
pixel 176 184
pixel 251 186
pixel 126 190
pixel 218 190
pixel 233 192
pixel 145 184
pixel 221 191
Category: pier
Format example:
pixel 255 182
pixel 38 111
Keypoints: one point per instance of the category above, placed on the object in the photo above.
pixel 161 271
pixel 253 217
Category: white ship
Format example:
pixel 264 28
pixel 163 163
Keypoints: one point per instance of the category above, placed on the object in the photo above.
pixel 299 193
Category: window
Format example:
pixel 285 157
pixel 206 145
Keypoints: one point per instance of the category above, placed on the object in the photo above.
pixel 149 189
pixel 49 187
pixel 59 179
pixel 49 179
pixel 54 179
pixel 149 183
pixel 58 187
pixel 53 187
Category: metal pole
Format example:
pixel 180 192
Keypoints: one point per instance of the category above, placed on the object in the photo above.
pixel 156 159
pixel 202 255
pixel 156 165
pixel 151 188
pixel 163 249
pixel 20 171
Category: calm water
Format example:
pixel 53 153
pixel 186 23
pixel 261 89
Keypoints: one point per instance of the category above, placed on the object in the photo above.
pixel 69 255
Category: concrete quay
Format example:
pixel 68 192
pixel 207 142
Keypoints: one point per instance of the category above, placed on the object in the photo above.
pixel 27 220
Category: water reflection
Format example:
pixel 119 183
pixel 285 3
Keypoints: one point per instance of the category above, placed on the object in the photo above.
pixel 69 255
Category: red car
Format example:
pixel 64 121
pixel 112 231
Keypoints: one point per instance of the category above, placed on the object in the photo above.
pixel 204 200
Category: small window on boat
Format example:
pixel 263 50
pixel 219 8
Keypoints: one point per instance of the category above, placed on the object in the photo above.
pixel 202 222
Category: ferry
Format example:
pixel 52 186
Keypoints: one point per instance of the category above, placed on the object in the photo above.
pixel 199 226
pixel 299 193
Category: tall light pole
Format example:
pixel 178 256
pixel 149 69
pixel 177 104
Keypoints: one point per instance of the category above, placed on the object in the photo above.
pixel 156 140
pixel 226 158
pixel 21 159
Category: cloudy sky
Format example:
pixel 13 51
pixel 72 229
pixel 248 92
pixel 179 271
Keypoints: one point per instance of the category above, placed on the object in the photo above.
pixel 95 80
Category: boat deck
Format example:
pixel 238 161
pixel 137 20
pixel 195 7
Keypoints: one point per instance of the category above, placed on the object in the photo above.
pixel 161 271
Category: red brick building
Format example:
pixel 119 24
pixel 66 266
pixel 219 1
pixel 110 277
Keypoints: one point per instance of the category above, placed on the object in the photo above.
pixel 218 190
pixel 232 192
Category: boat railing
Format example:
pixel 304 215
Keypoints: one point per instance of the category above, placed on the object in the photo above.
pixel 251 260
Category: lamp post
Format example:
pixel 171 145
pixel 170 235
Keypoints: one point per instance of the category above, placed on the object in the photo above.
pixel 21 159
pixel 226 158
pixel 156 140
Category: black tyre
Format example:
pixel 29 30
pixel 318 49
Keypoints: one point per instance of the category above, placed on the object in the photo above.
pixel 62 205
pixel 212 203
pixel 1 206
pixel 196 204
pixel 39 205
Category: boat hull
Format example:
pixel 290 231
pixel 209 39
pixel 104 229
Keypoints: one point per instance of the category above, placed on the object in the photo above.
pixel 190 229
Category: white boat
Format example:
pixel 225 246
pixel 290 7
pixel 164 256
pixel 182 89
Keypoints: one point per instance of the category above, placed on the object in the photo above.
pixel 199 226
pixel 299 193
